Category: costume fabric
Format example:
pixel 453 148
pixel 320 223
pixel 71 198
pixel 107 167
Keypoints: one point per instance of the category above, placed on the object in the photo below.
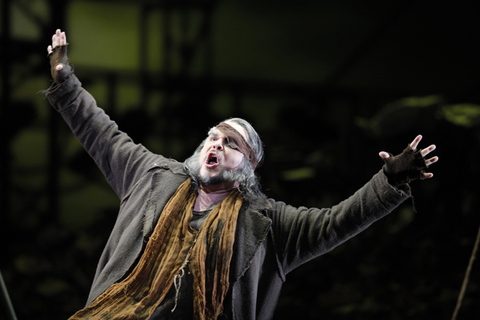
pixel 271 237
pixel 172 246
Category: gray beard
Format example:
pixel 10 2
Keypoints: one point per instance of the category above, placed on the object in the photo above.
pixel 244 175
pixel 224 176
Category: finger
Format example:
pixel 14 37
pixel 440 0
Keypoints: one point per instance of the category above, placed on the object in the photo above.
pixel 59 67
pixel 427 175
pixel 431 161
pixel 426 151
pixel 63 39
pixel 415 142
pixel 384 155
pixel 56 38
pixel 54 41
pixel 49 49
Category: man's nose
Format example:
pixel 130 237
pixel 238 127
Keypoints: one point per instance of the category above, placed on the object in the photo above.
pixel 218 145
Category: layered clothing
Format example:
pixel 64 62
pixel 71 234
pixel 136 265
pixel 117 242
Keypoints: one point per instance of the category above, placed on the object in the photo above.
pixel 271 238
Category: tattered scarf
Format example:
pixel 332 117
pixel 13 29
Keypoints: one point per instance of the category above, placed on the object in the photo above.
pixel 172 243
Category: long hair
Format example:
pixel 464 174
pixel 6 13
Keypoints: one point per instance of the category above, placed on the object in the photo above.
pixel 249 182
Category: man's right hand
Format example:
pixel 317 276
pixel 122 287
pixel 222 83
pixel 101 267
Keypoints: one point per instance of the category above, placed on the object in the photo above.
pixel 57 52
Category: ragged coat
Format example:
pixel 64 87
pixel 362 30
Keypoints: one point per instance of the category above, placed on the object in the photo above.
pixel 272 238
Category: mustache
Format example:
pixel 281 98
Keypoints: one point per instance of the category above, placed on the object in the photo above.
pixel 235 174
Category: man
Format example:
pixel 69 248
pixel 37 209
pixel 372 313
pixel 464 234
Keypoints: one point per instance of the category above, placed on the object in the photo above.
pixel 199 240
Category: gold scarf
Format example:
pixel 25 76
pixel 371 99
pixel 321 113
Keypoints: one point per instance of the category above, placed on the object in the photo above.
pixel 173 242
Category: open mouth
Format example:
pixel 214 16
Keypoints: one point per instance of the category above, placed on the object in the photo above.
pixel 212 160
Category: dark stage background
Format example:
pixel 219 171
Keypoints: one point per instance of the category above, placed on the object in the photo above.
pixel 327 84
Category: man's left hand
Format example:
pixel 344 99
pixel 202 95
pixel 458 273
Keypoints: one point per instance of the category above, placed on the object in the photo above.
pixel 410 164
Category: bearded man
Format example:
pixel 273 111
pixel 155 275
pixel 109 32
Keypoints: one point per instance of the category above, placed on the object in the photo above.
pixel 199 240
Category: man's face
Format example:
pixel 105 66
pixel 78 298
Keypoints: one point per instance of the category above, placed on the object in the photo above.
pixel 217 156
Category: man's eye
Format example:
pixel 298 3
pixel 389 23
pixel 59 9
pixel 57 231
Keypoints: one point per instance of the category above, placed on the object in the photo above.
pixel 231 144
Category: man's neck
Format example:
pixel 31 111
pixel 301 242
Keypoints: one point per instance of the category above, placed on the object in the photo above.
pixel 208 196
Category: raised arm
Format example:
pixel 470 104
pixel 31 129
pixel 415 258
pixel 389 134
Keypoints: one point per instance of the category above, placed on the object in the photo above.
pixel 121 160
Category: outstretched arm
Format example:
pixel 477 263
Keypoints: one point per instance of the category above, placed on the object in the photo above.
pixel 304 233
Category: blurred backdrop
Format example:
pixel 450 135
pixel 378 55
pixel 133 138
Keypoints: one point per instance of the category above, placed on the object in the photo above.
pixel 327 84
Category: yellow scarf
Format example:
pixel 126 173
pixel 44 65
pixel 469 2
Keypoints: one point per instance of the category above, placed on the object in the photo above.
pixel 173 242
